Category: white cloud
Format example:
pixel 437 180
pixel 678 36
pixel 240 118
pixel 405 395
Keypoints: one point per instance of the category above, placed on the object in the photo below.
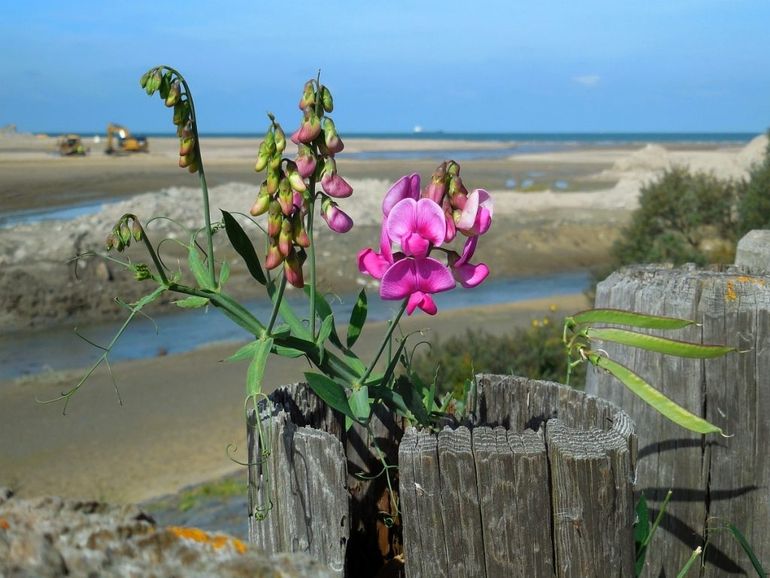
pixel 587 80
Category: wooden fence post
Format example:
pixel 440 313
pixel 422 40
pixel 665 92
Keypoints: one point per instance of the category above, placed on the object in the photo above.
pixel 714 480
pixel 537 483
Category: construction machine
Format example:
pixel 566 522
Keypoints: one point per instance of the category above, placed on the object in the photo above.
pixel 120 140
pixel 71 145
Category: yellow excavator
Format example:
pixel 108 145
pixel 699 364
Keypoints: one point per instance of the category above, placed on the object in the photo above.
pixel 71 145
pixel 120 140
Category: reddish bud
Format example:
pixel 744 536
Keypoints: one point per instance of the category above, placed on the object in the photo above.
pixel 308 96
pixel 337 219
pixel 187 160
pixel 292 268
pixel 286 197
pixel 335 186
pixel 274 219
pixel 186 146
pixel 332 140
pixel 273 257
pixel 285 244
pixel 300 234
pixel 306 161
pixel 309 129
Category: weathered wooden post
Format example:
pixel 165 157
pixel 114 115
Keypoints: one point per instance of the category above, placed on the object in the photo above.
pixel 537 483
pixel 715 480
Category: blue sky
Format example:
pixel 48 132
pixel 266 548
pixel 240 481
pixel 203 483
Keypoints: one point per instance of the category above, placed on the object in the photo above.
pixel 484 66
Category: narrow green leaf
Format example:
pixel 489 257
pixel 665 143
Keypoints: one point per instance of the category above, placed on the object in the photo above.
pixel 327 325
pixel 659 517
pixel 412 399
pixel 641 532
pixel 359 403
pixel 331 392
pixel 392 399
pixel 289 352
pixel 686 568
pixel 357 318
pixel 658 344
pixel 749 551
pixel 280 331
pixel 653 397
pixel 191 302
pixel 197 267
pixel 621 317
pixel 244 352
pixel 323 310
pixel 242 244
pixel 224 273
pixel 257 366
pixel 149 298
pixel 235 311
pixel 390 370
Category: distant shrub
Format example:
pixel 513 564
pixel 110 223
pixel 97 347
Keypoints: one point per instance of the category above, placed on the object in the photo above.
pixel 682 217
pixel 754 206
pixel 536 352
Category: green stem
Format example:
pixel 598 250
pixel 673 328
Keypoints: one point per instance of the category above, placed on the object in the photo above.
pixel 311 255
pixel 201 175
pixel 276 305
pixel 229 306
pixel 385 341
pixel 151 251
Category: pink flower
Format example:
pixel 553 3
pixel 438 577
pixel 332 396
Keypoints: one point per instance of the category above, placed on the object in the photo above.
pixel 337 219
pixel 475 218
pixel 467 274
pixel 407 187
pixel 416 279
pixel 335 186
pixel 375 264
pixel 305 160
pixel 416 226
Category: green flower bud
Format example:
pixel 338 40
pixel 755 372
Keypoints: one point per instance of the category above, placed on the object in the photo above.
pixel 308 96
pixel 280 139
pixel 186 161
pixel 262 203
pixel 299 233
pixel 144 79
pixel 295 179
pixel 273 179
pixel 326 99
pixel 180 112
pixel 124 233
pixel 174 92
pixel 193 167
pixel 262 157
pixel 142 272
pixel 110 242
pixel 285 244
pixel 186 146
pixel 136 229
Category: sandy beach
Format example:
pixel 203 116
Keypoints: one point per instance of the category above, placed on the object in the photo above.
pixel 181 412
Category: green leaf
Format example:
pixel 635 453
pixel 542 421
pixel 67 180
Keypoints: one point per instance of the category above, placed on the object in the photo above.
pixel 224 273
pixel 327 325
pixel 323 310
pixel 359 403
pixel 390 370
pixel 287 313
pixel 641 533
pixel 412 399
pixel 391 398
pixel 242 244
pixel 357 318
pixel 749 551
pixel 659 517
pixel 197 268
pixel 653 397
pixel 330 392
pixel 244 352
pixel 686 568
pixel 257 366
pixel 289 352
pixel 658 344
pixel 149 298
pixel 621 317
pixel 191 302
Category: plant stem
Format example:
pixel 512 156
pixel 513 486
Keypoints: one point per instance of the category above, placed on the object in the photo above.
pixel 151 251
pixel 385 341
pixel 311 255
pixel 276 305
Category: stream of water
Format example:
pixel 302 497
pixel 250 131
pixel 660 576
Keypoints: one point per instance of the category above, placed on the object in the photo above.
pixel 35 352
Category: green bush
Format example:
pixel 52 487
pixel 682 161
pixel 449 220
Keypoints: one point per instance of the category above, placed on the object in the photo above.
pixel 682 217
pixel 754 207
pixel 536 352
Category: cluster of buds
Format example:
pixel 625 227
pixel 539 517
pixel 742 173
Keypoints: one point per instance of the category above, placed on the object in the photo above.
pixel 288 189
pixel 168 84
pixel 122 233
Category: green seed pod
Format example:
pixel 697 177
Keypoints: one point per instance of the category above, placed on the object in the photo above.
pixel 326 99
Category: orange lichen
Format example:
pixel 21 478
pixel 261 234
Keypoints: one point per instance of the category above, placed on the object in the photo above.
pixel 730 294
pixel 4 524
pixel 217 541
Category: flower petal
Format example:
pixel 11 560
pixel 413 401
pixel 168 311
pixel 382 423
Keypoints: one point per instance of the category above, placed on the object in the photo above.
pixel 372 263
pixel 415 299
pixel 468 214
pixel 431 276
pixel 431 223
pixel 485 200
pixel 399 280
pixel 471 275
pixel 415 245
pixel 428 305
pixel 468 249
pixel 407 187
pixel 402 219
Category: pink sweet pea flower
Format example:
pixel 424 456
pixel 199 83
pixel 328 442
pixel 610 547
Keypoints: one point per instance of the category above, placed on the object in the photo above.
pixel 467 274
pixel 337 219
pixel 375 264
pixel 476 216
pixel 416 226
pixel 416 279
pixel 407 187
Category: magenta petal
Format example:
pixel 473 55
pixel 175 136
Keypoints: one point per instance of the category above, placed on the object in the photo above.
pixel 471 275
pixel 483 221
pixel 415 299
pixel 432 276
pixel 468 250
pixel 415 245
pixel 385 249
pixel 428 305
pixel 485 200
pixel 399 280
pixel 335 186
pixel 431 222
pixel 372 263
pixel 402 219
pixel 407 187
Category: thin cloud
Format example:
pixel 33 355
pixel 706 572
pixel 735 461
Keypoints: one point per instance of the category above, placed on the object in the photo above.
pixel 587 80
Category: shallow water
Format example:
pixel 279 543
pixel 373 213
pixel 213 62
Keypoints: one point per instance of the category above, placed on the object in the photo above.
pixel 31 353
pixel 67 213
